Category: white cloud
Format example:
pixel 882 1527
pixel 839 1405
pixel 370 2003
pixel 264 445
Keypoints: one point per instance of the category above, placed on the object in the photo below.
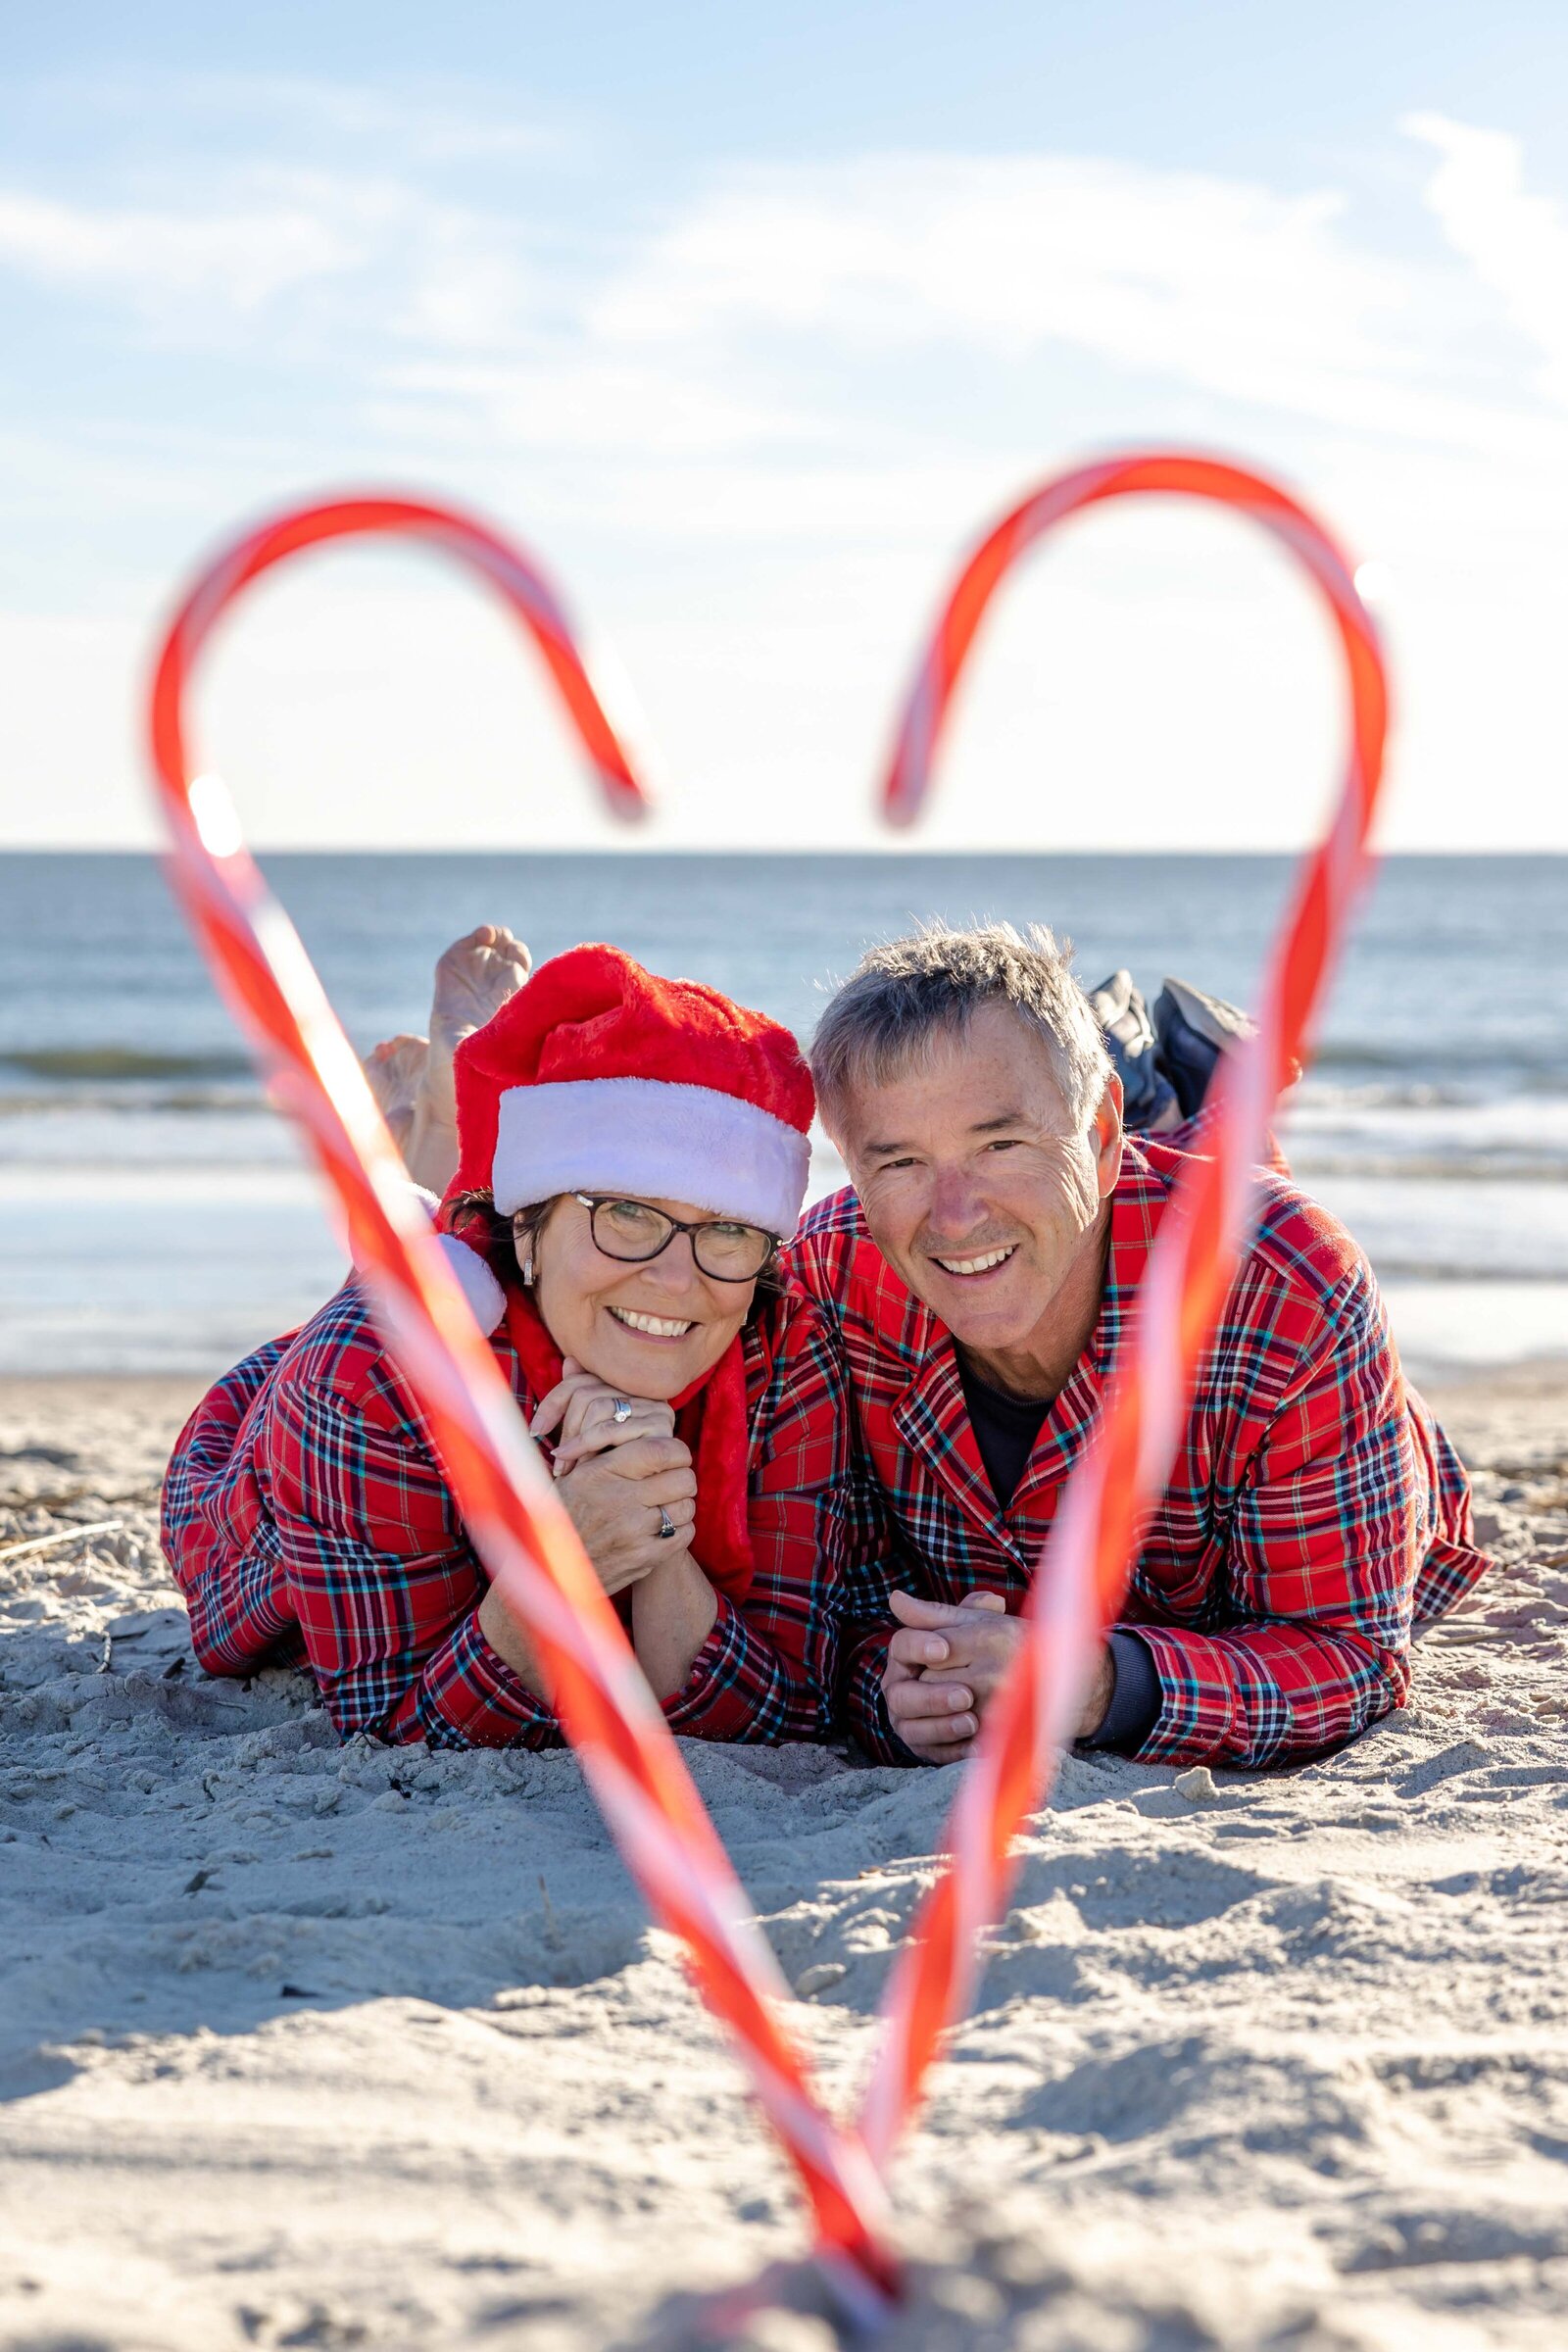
pixel 1225 283
pixel 714 333
pixel 418 267
pixel 453 318
pixel 239 260
pixel 1012 250
pixel 1260 300
pixel 1516 242
pixel 588 403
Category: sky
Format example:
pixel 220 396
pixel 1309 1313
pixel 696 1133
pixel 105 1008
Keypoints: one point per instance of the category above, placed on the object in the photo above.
pixel 746 321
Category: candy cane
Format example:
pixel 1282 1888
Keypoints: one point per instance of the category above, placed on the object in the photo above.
pixel 516 1521
pixel 1084 1566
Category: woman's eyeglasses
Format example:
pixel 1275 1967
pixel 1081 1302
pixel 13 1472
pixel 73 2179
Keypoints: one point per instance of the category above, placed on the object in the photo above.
pixel 633 1231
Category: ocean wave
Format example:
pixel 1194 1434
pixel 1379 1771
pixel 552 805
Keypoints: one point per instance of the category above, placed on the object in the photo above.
pixel 114 1064
pixel 1542 1070
pixel 1390 1266
pixel 1529 1130
pixel 1489 1168
pixel 135 1098
pixel 1316 1094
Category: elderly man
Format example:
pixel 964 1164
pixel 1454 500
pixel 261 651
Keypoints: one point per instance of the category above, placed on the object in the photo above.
pixel 981 1272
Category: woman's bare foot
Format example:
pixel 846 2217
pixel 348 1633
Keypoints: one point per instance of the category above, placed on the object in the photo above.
pixel 395 1070
pixel 474 979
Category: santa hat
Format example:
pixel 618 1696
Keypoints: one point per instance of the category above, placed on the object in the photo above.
pixel 600 1077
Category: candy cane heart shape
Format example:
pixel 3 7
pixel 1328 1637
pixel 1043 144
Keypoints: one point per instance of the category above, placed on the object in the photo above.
pixel 1084 1568
pixel 507 1505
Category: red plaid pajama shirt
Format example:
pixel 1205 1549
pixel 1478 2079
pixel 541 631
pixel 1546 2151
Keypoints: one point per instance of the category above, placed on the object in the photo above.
pixel 307 1520
pixel 1314 1511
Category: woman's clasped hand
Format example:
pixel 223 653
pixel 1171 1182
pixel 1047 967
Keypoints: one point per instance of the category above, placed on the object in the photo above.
pixel 625 1477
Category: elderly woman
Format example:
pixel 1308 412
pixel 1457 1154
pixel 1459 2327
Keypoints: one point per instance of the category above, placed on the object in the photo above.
pixel 631 1151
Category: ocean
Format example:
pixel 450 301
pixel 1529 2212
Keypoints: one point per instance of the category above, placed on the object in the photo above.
pixel 157 1216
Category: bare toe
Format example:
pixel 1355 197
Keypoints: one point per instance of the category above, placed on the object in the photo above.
pixel 474 979
pixel 396 1071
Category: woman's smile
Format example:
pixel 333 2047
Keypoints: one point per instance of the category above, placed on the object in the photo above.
pixel 651 1327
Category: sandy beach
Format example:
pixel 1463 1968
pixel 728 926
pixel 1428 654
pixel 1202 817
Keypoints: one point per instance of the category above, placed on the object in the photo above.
pixel 310 2045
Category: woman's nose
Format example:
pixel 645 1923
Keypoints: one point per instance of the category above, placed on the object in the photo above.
pixel 674 1269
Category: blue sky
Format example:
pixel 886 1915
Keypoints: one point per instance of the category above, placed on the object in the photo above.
pixel 747 320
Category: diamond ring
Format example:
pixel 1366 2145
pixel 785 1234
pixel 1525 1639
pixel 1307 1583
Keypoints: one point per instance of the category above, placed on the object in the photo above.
pixel 620 1410
pixel 666 1525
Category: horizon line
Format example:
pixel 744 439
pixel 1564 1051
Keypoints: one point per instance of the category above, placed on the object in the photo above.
pixel 891 847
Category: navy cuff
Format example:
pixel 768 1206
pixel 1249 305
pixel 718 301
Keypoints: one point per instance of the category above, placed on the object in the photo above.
pixel 1135 1699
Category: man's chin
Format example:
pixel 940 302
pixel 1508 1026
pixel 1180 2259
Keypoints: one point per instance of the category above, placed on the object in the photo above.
pixel 991 1311
pixel 991 1335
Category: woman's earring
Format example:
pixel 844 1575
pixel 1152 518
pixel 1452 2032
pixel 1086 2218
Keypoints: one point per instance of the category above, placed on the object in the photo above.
pixel 527 1273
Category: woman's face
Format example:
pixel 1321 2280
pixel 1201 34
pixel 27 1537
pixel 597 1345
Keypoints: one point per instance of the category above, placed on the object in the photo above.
pixel 648 1330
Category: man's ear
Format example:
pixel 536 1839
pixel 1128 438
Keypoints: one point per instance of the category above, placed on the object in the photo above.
pixel 1107 1133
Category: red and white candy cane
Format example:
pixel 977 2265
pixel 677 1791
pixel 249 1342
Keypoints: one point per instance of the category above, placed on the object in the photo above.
pixel 515 1519
pixel 1087 1561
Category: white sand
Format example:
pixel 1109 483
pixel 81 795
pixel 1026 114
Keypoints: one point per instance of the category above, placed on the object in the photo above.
pixel 302 2046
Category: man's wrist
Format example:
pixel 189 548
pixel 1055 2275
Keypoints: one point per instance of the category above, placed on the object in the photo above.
pixel 1134 1695
pixel 1102 1693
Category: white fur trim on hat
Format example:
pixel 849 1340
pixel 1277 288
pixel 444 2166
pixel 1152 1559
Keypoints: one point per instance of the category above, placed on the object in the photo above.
pixel 475 1281
pixel 654 1139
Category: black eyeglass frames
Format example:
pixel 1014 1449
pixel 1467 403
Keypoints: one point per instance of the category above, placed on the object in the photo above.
pixel 634 1231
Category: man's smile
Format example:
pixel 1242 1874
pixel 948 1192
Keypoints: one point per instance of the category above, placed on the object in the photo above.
pixel 967 1268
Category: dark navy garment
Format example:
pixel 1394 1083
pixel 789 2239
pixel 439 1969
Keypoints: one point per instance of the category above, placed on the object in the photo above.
pixel 1004 1431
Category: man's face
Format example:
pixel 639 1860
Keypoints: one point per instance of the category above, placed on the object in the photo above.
pixel 978 1188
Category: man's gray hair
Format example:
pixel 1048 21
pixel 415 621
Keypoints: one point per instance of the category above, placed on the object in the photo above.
pixel 933 982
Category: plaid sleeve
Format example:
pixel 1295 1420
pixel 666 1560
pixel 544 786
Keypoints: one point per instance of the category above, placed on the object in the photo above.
pixel 873 1568
pixel 384 1583
pixel 1453 1563
pixel 768 1669
pixel 1325 1539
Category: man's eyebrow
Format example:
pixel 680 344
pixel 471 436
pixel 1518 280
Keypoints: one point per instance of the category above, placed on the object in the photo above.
pixel 883 1150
